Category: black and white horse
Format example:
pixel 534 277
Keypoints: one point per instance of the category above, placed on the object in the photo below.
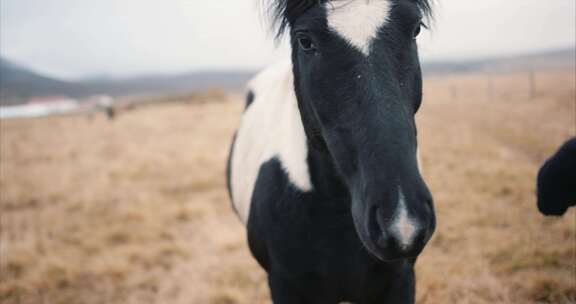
pixel 323 169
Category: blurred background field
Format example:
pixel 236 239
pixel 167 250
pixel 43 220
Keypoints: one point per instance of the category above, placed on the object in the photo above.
pixel 134 210
pixel 116 119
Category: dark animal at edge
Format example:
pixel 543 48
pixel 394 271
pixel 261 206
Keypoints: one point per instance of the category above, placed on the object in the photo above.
pixel 557 181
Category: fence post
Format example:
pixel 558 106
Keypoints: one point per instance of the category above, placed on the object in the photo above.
pixel 532 83
pixel 490 89
pixel 453 88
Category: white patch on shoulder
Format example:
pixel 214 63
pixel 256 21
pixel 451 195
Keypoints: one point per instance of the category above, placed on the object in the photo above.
pixel 419 159
pixel 358 21
pixel 403 225
pixel 270 127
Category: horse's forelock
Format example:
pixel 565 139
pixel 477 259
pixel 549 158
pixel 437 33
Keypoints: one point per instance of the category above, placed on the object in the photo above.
pixel 282 13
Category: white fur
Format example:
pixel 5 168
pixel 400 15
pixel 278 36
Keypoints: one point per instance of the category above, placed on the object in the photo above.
pixel 419 159
pixel 270 127
pixel 358 21
pixel 403 226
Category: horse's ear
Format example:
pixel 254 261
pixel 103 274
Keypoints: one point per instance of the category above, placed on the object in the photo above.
pixel 282 13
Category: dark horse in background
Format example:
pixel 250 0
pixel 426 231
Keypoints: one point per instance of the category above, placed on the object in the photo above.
pixel 323 169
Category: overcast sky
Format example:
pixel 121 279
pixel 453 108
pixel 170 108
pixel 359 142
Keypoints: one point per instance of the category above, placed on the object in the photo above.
pixel 79 38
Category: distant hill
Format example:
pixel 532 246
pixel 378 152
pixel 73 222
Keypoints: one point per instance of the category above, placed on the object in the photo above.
pixel 168 84
pixel 19 83
pixel 555 59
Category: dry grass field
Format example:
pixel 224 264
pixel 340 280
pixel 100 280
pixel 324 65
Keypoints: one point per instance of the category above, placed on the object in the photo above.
pixel 135 210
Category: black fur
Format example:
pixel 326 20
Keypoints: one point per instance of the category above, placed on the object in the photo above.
pixel 308 244
pixel 557 181
pixel 249 99
pixel 336 243
pixel 229 172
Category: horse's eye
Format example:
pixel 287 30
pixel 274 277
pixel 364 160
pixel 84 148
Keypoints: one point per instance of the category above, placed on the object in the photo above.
pixel 417 30
pixel 306 43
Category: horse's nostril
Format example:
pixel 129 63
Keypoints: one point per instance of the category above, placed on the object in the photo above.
pixel 380 220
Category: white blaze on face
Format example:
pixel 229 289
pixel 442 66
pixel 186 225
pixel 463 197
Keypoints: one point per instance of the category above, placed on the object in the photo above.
pixel 403 226
pixel 358 21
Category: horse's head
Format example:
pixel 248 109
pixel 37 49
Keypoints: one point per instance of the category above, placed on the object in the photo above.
pixel 358 83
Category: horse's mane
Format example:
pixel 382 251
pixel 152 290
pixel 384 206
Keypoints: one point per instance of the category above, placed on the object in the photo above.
pixel 283 12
